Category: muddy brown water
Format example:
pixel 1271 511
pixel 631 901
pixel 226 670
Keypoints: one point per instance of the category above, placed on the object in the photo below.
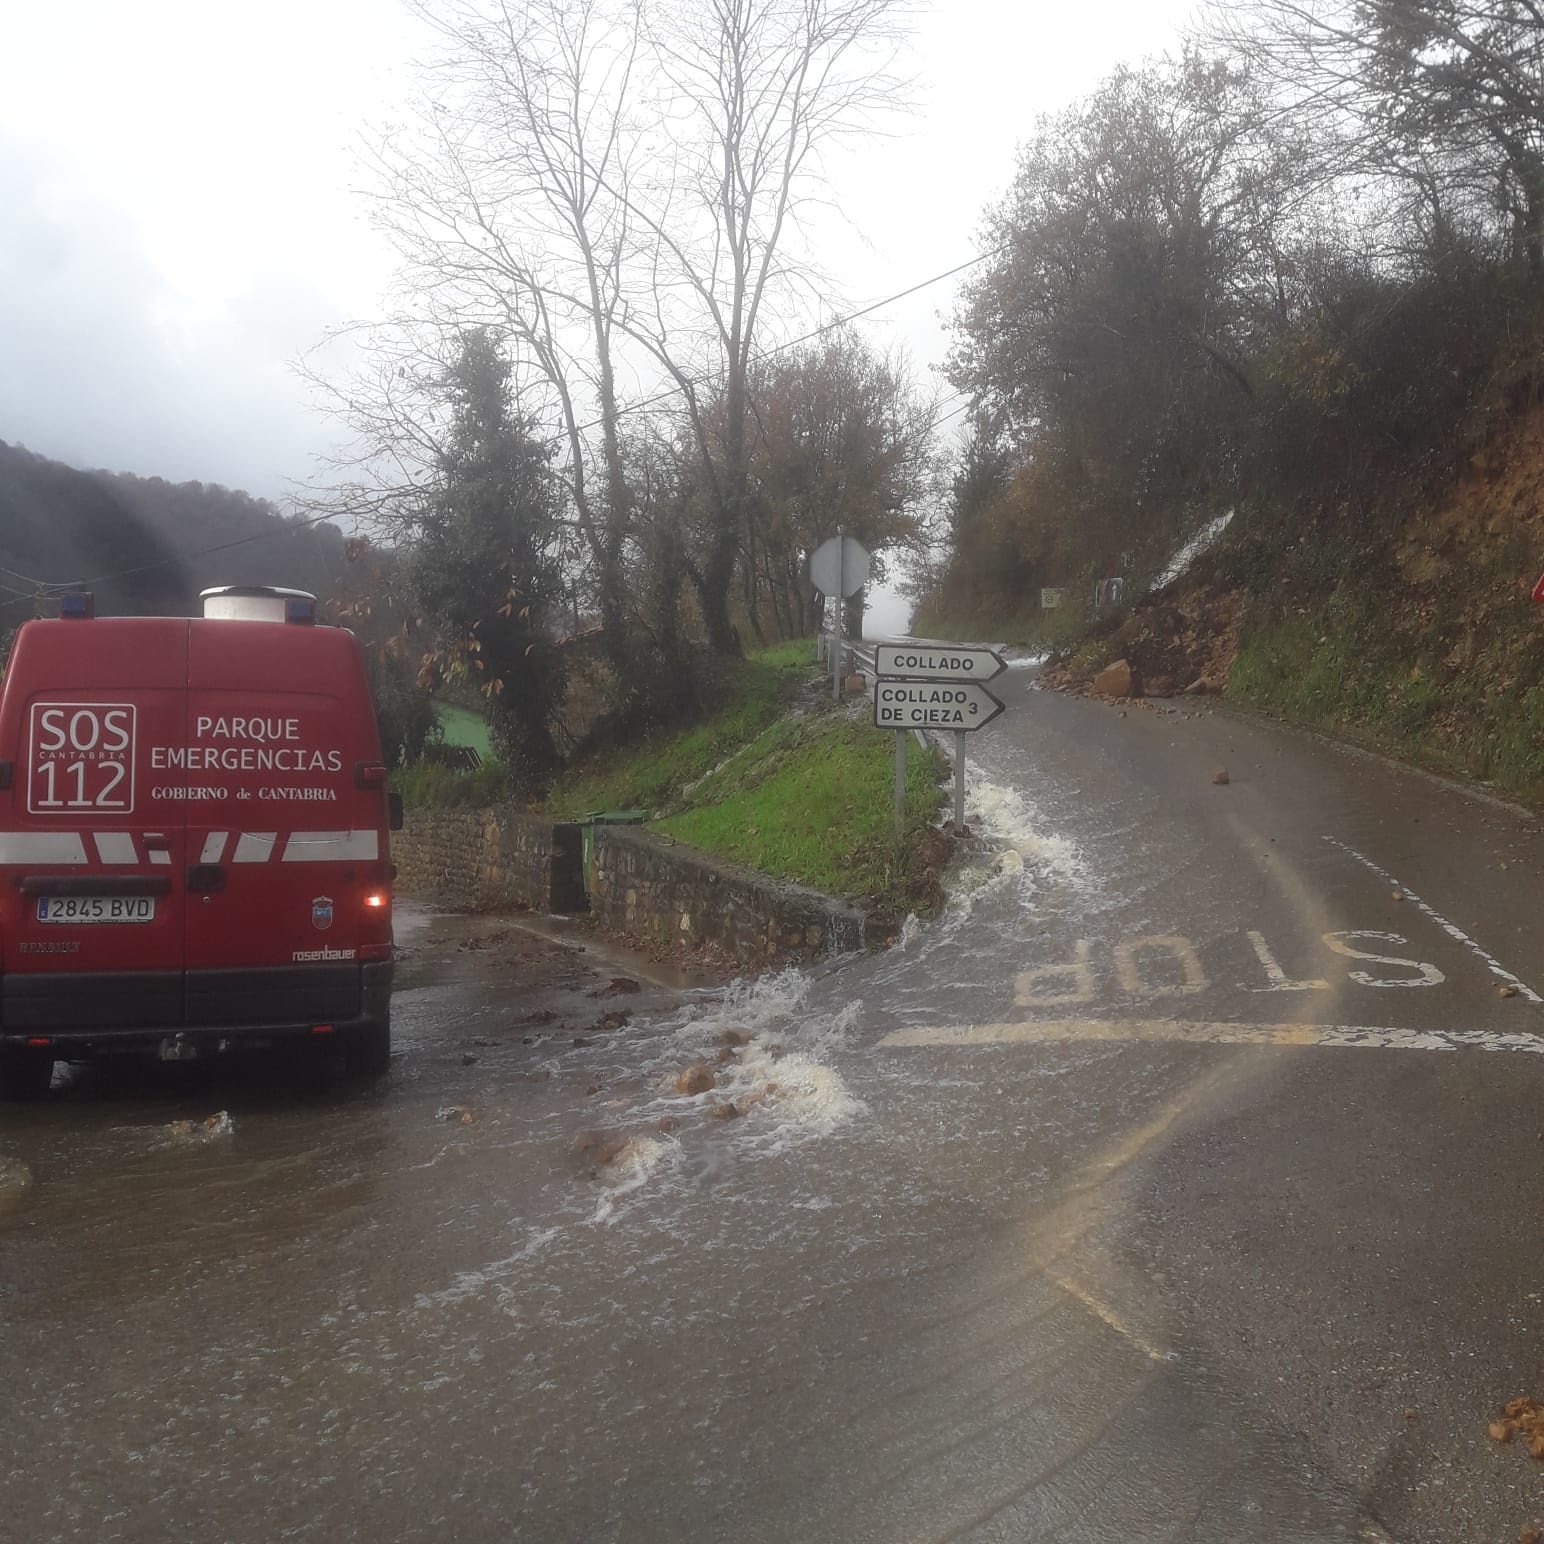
pixel 1179 1183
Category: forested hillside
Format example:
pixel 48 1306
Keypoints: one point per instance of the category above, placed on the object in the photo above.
pixel 142 543
pixel 1296 273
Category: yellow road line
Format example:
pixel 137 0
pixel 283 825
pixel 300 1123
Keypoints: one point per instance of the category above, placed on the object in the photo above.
pixel 1347 1036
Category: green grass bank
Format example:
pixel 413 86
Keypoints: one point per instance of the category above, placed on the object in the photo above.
pixel 783 781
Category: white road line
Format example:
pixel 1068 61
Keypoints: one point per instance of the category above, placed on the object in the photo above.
pixel 1345 1036
pixel 1275 975
pixel 1494 965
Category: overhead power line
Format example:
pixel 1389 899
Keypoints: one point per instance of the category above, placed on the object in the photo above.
pixel 818 332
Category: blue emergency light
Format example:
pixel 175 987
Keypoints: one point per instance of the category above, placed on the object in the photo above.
pixel 78 606
pixel 300 608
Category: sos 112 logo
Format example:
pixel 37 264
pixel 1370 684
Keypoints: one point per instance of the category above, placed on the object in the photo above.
pixel 81 757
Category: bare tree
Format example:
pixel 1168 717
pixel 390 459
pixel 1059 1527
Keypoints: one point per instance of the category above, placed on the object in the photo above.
pixel 609 229
pixel 507 201
pixel 760 89
pixel 1445 94
pixel 844 437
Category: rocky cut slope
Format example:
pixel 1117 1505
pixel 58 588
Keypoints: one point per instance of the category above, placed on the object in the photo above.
pixel 1420 639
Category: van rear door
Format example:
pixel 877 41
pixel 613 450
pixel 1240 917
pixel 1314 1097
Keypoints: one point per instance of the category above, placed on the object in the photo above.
pixel 284 845
pixel 92 835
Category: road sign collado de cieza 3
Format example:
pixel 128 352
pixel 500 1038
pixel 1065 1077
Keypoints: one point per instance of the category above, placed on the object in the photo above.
pixel 938 662
pixel 934 686
pixel 958 705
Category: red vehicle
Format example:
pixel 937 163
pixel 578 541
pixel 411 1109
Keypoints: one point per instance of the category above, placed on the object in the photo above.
pixel 193 837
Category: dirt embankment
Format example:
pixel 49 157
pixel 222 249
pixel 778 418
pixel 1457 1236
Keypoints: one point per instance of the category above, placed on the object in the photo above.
pixel 1409 630
pixel 1182 639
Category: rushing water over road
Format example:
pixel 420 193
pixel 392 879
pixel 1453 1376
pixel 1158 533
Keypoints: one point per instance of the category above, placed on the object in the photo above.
pixel 1069 1218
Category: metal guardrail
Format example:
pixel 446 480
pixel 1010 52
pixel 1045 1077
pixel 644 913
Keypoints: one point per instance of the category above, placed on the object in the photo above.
pixel 862 655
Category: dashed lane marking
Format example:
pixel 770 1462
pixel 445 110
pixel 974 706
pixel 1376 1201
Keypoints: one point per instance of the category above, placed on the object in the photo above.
pixel 1345 1036
pixel 1452 929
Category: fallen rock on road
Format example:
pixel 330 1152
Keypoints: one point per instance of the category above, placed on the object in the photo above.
pixel 1117 680
pixel 696 1079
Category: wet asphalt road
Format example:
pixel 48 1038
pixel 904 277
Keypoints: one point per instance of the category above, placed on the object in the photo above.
pixel 1182 1182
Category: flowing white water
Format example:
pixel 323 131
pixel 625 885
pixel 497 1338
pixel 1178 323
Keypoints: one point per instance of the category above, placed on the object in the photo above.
pixel 1014 854
pixel 1193 549
pixel 780 1079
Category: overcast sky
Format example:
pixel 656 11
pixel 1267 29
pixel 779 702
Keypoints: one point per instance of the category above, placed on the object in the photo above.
pixel 177 222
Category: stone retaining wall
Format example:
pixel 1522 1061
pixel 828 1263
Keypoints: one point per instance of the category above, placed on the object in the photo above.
pixel 487 859
pixel 649 888
pixel 643 887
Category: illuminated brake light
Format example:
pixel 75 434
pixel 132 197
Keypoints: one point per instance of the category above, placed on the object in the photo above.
pixel 321 1029
pixel 376 899
pixel 38 1040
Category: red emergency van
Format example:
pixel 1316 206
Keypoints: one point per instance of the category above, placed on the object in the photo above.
pixel 193 836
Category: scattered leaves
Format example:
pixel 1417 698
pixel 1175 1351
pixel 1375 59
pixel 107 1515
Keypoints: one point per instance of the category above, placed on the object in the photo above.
pixel 1521 1417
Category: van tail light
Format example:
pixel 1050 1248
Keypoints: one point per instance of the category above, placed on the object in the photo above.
pixel 369 774
pixel 38 1040
pixel 376 899
pixel 321 1029
pixel 369 952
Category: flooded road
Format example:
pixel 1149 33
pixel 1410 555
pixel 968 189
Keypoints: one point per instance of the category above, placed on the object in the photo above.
pixel 1181 1182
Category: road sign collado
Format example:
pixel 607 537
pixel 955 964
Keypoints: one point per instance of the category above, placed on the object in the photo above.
pixel 960 705
pixel 938 661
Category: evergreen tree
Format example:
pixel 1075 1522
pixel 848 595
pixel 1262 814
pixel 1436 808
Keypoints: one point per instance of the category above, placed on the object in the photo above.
pixel 482 563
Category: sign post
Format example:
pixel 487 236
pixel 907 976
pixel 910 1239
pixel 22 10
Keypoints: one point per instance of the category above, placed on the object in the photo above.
pixel 839 567
pixel 959 779
pixel 839 617
pixel 934 686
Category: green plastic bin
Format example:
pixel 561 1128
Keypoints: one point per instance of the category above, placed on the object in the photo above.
pixel 587 825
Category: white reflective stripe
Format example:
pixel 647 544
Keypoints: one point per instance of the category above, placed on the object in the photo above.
pixel 322 846
pixel 42 847
pixel 214 846
pixel 115 847
pixel 254 846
